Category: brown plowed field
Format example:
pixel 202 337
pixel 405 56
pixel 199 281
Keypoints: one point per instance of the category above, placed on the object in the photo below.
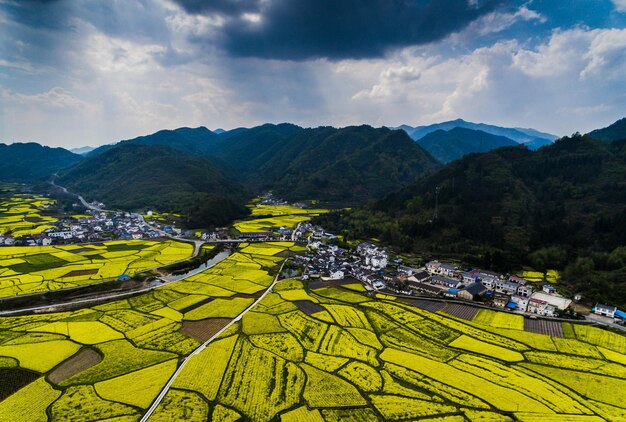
pixel 85 359
pixel 204 329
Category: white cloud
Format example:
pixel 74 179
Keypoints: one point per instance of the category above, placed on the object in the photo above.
pixel 498 21
pixel 587 53
pixel 549 86
pixel 620 5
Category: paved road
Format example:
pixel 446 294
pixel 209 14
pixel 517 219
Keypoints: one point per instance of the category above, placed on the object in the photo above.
pixel 599 319
pixel 163 392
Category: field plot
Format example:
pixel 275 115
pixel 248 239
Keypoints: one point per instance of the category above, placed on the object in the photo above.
pixel 541 326
pixel 42 268
pixel 427 305
pixel 273 217
pixel 461 311
pixel 499 319
pixel 276 210
pixel 21 215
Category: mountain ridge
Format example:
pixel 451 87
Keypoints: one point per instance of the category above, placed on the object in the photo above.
pixel 30 161
pixel 452 144
pixel 519 135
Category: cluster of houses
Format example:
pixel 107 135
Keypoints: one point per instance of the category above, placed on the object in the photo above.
pixel 331 262
pixel 510 292
pixel 370 264
pixel 95 226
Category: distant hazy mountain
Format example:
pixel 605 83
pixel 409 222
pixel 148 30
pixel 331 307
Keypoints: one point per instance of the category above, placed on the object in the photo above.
pixel 82 150
pixel 131 176
pixel 194 141
pixel 25 162
pixel 534 138
pixel 449 145
pixel 614 132
pixel 343 166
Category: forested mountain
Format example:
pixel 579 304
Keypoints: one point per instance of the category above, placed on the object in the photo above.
pixel 193 141
pixel 27 162
pixel 449 145
pixel 341 166
pixel 532 137
pixel 131 176
pixel 614 132
pixel 562 207
pixel 338 166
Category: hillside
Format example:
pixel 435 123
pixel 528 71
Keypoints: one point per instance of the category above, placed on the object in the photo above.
pixel 193 141
pixel 449 145
pixel 611 133
pixel 562 207
pixel 534 138
pixel 340 166
pixel 130 176
pixel 27 162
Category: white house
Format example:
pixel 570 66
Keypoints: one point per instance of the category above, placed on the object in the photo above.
pixel 521 301
pixel 605 310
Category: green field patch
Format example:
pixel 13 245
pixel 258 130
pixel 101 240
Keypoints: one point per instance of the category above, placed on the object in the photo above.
pixel 261 323
pixel 348 316
pixel 138 388
pixel 308 331
pixel 281 344
pixel 326 390
pixel 88 332
pixel 596 387
pixel 400 408
pixel 341 295
pixel 120 357
pixel 476 346
pixel 42 356
pixel 220 308
pixel 82 403
pixel 29 403
pixel 499 319
pixel 302 414
pixel 600 337
pixel 259 384
pixel 363 376
pixel 180 405
pixel 362 414
pixel 324 362
pixel 500 397
pixel 38 262
pixel 211 363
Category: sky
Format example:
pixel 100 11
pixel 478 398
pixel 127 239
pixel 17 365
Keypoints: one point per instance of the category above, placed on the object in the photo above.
pixel 86 72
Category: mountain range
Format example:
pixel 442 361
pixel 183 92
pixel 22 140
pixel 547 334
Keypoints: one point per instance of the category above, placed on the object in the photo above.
pixel 27 162
pixel 340 167
pixel 532 138
pixel 449 145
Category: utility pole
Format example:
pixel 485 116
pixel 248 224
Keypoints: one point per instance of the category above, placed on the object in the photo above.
pixel 436 214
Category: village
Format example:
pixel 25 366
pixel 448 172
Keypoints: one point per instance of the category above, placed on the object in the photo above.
pixel 371 265
pixel 94 226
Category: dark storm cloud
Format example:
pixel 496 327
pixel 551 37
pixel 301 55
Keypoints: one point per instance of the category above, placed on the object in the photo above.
pixel 335 29
pixel 227 7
